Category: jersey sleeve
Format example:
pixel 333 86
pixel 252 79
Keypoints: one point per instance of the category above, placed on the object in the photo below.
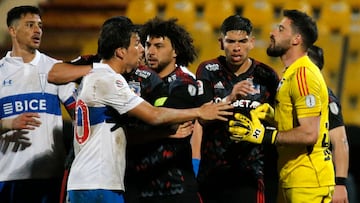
pixel 205 88
pixel 306 93
pixel 335 113
pixel 115 92
pixel 67 95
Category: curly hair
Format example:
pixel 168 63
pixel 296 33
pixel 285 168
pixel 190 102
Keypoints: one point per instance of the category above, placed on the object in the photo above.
pixel 180 39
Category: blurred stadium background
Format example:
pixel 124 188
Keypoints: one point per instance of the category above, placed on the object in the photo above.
pixel 71 28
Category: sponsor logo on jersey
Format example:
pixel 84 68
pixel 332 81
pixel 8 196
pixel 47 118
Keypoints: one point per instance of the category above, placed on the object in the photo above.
pixel 212 67
pixel 171 78
pixel 7 83
pixel 244 103
pixel 219 85
pixel 35 102
pixel 24 106
pixel 142 73
pixel 310 100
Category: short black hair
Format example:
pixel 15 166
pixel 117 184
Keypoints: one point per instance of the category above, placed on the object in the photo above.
pixel 236 22
pixel 180 39
pixel 17 12
pixel 304 25
pixel 114 35
pixel 316 55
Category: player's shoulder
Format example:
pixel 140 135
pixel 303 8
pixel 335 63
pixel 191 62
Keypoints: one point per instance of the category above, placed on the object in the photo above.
pixel 263 70
pixel 210 65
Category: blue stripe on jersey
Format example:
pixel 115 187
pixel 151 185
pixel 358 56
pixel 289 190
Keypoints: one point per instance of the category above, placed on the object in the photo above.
pixel 96 115
pixel 69 101
pixel 30 102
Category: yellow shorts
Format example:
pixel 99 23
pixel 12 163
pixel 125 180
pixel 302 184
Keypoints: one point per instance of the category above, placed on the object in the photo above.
pixel 306 195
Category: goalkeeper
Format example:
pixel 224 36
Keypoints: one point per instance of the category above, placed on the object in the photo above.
pixel 301 115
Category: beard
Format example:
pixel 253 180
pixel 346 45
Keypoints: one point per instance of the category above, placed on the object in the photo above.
pixel 275 51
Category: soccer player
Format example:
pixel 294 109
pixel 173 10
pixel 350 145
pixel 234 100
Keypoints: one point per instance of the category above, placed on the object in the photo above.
pixel 301 115
pixel 337 133
pixel 31 142
pixel 97 172
pixel 161 170
pixel 232 171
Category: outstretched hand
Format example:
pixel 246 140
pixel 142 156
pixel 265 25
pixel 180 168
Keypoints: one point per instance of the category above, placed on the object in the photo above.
pixel 213 111
pixel 24 121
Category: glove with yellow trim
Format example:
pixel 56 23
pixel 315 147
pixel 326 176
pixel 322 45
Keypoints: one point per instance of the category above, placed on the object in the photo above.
pixel 244 129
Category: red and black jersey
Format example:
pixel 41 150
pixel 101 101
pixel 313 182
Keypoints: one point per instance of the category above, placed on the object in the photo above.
pixel 163 167
pixel 222 158
pixel 335 115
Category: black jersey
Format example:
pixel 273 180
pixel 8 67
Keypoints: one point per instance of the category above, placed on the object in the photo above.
pixel 221 158
pixel 163 167
pixel 335 115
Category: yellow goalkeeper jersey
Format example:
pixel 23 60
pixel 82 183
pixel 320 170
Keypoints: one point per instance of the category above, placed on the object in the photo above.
pixel 302 92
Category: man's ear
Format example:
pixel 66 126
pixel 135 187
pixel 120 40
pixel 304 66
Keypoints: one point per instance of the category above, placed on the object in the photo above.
pixel 11 31
pixel 120 52
pixel 221 43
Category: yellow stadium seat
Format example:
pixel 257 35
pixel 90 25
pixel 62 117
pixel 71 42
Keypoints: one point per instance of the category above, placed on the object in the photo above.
pixel 332 44
pixel 139 11
pixel 183 10
pixel 240 3
pixel 354 46
pixel 277 3
pixel 200 3
pixel 336 14
pixel 354 4
pixel 261 14
pixel 350 98
pixel 301 5
pixel 202 32
pixel 215 12
pixel 317 4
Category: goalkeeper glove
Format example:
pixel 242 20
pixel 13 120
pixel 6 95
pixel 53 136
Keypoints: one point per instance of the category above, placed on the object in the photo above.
pixel 265 112
pixel 244 129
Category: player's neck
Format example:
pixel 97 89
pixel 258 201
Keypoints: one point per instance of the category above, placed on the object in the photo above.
pixel 243 67
pixel 26 54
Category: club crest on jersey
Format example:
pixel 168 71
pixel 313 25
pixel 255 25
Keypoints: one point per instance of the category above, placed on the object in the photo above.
pixel 212 67
pixel 310 100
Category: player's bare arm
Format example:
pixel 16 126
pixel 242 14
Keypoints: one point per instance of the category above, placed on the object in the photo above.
pixel 305 134
pixel 161 115
pixel 62 73
pixel 340 149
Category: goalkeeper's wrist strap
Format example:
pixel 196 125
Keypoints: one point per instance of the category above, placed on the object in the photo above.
pixel 340 181
pixel 270 135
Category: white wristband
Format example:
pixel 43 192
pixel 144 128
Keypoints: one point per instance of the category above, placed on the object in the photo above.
pixel 7 124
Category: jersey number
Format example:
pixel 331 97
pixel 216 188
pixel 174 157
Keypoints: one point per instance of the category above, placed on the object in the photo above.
pixel 82 127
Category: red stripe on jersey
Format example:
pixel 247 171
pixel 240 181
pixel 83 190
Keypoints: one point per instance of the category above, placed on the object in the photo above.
pixel 301 79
